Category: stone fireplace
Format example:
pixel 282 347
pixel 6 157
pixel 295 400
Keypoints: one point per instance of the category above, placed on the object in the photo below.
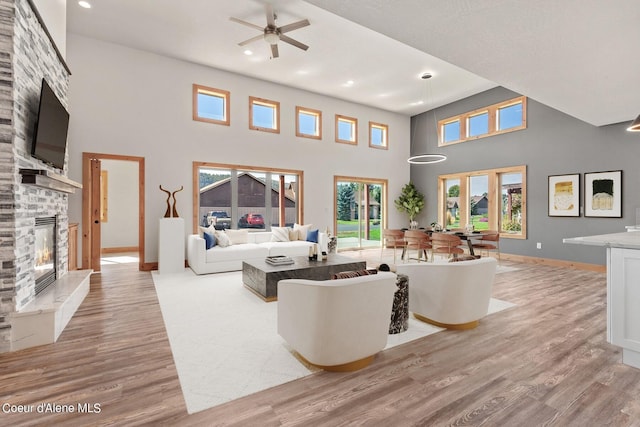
pixel 29 55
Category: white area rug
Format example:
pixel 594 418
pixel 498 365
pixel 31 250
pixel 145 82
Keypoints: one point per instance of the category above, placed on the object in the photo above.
pixel 224 338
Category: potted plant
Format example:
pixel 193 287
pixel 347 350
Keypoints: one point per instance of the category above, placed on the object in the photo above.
pixel 410 201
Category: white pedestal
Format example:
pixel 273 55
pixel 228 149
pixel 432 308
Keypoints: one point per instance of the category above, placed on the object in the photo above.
pixel 171 245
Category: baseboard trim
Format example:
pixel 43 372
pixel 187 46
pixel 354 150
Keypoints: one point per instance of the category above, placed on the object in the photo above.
pixel 149 266
pixel 554 262
pixel 119 249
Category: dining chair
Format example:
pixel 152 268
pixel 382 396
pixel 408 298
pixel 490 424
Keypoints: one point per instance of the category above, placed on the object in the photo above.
pixel 490 241
pixel 420 241
pixel 393 239
pixel 444 243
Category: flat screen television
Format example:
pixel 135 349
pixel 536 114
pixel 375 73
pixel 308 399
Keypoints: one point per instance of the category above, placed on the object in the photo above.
pixel 50 134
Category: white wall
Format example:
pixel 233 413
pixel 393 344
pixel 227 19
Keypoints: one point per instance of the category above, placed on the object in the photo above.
pixel 121 228
pixel 54 15
pixel 129 102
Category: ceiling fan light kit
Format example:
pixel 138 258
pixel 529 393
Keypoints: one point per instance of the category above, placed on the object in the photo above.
pixel 273 34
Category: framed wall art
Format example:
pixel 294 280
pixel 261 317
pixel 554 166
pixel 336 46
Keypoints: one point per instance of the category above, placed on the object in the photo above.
pixel 564 195
pixel 603 194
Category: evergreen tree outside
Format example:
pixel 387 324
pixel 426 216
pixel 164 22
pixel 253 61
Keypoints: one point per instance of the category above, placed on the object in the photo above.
pixel 345 201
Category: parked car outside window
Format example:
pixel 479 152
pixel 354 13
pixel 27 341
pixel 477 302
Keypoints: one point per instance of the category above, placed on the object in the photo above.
pixel 219 219
pixel 251 220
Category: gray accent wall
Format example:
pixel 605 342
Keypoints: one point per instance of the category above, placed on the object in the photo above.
pixel 554 143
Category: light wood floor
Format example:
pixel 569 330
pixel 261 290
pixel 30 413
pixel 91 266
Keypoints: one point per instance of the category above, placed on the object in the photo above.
pixel 545 362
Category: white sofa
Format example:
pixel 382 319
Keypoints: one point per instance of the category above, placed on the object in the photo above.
pixel 218 259
pixel 337 325
pixel 453 295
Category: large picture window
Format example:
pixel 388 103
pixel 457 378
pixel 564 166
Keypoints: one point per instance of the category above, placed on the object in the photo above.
pixel 232 196
pixel 506 116
pixel 492 199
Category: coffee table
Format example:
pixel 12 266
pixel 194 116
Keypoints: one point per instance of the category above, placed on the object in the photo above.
pixel 262 278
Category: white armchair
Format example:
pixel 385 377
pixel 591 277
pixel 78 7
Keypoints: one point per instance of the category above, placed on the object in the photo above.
pixel 337 325
pixel 453 295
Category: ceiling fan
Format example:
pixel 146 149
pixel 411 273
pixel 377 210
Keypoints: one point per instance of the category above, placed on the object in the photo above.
pixel 272 34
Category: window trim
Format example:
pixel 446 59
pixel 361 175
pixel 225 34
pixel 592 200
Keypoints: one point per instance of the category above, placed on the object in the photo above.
pixel 354 123
pixel 224 94
pixel 268 103
pixel 492 110
pixel 312 112
pixel 495 198
pixel 385 128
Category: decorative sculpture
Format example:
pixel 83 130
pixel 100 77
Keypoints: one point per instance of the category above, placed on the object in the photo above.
pixel 171 210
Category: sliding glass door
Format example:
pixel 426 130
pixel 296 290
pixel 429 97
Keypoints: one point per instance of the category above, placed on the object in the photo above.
pixel 360 211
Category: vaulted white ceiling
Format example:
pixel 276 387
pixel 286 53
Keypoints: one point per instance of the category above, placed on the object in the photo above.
pixel 573 55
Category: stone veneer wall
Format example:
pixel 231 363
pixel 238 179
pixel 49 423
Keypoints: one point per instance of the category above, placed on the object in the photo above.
pixel 26 56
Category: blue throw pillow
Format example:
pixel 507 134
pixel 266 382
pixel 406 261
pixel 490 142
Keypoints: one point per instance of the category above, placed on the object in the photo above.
pixel 209 239
pixel 312 236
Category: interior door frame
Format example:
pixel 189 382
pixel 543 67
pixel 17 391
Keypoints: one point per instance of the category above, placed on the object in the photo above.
pixel 87 208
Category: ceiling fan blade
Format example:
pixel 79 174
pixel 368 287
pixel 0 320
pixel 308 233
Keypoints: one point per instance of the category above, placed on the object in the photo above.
pixel 248 24
pixel 251 40
pixel 271 20
pixel 274 51
pixel 293 42
pixel 294 26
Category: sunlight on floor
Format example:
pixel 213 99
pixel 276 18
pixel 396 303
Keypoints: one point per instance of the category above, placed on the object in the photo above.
pixel 120 258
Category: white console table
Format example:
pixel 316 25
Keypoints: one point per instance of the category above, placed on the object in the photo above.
pixel 623 290
pixel 171 253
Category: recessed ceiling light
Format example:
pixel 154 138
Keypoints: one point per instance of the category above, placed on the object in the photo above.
pixel 248 52
pixel 84 4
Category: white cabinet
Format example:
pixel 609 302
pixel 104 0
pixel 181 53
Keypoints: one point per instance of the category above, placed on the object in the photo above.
pixel 171 245
pixel 623 302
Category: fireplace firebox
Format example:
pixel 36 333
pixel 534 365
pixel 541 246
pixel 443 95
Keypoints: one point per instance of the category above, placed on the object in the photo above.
pixel 45 256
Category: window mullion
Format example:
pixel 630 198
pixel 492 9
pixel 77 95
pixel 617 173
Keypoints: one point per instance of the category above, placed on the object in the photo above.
pixel 464 200
pixel 494 201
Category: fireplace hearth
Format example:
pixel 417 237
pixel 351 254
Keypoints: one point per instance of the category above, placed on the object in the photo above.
pixel 45 253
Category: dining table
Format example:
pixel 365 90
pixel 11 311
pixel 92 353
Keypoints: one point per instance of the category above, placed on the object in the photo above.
pixel 469 236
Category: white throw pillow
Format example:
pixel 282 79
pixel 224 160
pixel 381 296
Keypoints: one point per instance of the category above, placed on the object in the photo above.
pixel 238 237
pixel 280 234
pixel 210 229
pixel 302 230
pixel 222 239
